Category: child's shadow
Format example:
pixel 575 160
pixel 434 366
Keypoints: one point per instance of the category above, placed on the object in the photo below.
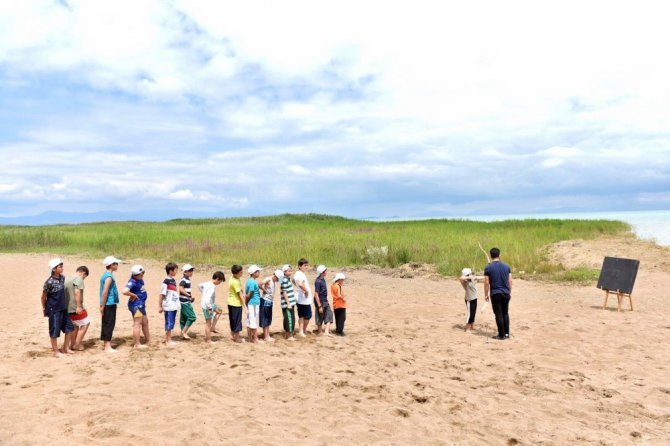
pixel 475 332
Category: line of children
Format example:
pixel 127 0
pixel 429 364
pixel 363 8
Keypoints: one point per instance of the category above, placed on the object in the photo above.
pixel 63 302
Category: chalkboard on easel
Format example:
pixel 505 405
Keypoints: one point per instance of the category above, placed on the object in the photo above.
pixel 618 275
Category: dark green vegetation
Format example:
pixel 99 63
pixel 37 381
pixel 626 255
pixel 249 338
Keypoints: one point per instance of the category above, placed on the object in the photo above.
pixel 335 241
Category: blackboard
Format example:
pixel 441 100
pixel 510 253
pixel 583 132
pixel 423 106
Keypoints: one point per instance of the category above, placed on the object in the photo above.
pixel 618 274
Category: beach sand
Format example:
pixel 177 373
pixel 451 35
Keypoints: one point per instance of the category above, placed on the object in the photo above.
pixel 406 373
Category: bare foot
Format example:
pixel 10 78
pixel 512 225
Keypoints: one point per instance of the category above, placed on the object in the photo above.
pixel 58 354
pixel 186 336
pixel 67 352
pixel 240 341
pixel 139 346
pixel 291 339
pixel 214 331
pixel 78 348
pixel 171 343
pixel 110 350
pixel 302 335
pixel 269 339
pixel 328 334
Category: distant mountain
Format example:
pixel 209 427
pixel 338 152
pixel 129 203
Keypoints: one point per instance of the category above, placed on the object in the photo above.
pixel 53 218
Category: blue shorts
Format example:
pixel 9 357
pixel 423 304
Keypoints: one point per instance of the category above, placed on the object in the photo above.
pixel 209 313
pixel 235 317
pixel 137 310
pixel 170 317
pixel 305 311
pixel 265 316
pixel 58 322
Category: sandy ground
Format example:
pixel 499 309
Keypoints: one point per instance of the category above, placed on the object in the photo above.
pixel 572 373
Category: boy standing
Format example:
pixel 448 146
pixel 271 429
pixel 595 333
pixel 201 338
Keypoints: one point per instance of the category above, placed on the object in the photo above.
pixel 169 301
pixel 253 299
pixel 498 281
pixel 236 304
pixel 268 289
pixel 54 307
pixel 324 315
pixel 211 312
pixel 305 297
pixel 339 303
pixel 187 314
pixel 74 293
pixel 469 283
pixel 109 298
pixel 137 299
pixel 287 300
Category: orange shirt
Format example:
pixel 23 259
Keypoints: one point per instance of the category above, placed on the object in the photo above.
pixel 338 297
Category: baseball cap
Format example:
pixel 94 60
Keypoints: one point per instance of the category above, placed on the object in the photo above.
pixel 55 262
pixel 320 269
pixel 187 267
pixel 279 273
pixel 286 267
pixel 109 260
pixel 338 276
pixel 137 269
pixel 466 272
pixel 253 269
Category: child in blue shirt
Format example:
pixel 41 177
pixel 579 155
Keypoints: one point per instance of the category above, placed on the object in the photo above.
pixel 252 293
pixel 137 298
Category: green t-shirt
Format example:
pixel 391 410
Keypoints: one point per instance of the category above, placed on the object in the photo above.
pixel 234 292
pixel 73 283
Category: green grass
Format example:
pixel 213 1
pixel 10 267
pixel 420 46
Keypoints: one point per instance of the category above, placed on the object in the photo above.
pixel 335 241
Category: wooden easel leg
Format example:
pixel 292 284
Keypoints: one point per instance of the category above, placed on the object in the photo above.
pixel 619 298
pixel 630 297
pixel 607 294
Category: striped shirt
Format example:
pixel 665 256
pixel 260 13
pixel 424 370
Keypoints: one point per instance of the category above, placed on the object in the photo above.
pixel 287 287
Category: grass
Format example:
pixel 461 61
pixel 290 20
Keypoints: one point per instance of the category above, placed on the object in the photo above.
pixel 335 241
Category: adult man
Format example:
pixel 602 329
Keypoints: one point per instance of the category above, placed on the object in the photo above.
pixel 498 285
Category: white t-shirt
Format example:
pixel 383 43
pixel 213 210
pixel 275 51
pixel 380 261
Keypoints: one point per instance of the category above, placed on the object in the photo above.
pixel 268 289
pixel 302 298
pixel 470 287
pixel 208 290
pixel 171 293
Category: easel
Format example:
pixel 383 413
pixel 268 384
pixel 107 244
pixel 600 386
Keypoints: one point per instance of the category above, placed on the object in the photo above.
pixel 620 296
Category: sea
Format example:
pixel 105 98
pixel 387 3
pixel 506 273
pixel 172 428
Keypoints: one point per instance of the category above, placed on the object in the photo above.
pixel 647 225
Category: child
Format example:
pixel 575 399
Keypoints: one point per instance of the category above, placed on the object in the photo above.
pixel 265 317
pixel 187 314
pixel 253 299
pixel 137 299
pixel 169 301
pixel 339 303
pixel 304 297
pixel 74 293
pixel 54 307
pixel 287 300
pixel 109 298
pixel 324 315
pixel 469 284
pixel 236 304
pixel 211 312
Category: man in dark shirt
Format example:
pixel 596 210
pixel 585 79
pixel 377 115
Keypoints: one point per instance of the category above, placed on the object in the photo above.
pixel 498 285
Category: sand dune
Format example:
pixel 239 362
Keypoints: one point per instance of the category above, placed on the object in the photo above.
pixel 572 373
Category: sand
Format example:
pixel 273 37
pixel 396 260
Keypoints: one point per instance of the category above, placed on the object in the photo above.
pixel 572 373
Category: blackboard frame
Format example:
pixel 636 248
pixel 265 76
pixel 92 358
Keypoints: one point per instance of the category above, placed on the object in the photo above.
pixel 618 274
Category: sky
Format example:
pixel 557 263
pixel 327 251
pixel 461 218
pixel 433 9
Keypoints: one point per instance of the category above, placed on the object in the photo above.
pixel 361 109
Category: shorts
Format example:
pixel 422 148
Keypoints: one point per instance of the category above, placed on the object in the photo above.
pixel 235 318
pixel 170 318
pixel 137 310
pixel 80 320
pixel 59 321
pixel 265 316
pixel 305 311
pixel 323 318
pixel 252 316
pixel 209 313
pixel 289 320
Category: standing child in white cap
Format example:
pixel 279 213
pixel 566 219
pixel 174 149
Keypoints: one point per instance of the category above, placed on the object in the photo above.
pixel 54 306
pixel 137 305
pixel 324 315
pixel 469 283
pixel 267 299
pixel 187 314
pixel 109 298
pixel 252 294
pixel 339 303
pixel 74 293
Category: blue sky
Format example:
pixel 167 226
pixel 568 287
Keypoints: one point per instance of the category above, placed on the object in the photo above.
pixel 362 109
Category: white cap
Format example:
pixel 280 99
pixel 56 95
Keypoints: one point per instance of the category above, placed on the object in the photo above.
pixel 54 263
pixel 253 269
pixel 320 269
pixel 110 260
pixel 466 272
pixel 286 267
pixel 279 273
pixel 338 276
pixel 187 267
pixel 137 269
